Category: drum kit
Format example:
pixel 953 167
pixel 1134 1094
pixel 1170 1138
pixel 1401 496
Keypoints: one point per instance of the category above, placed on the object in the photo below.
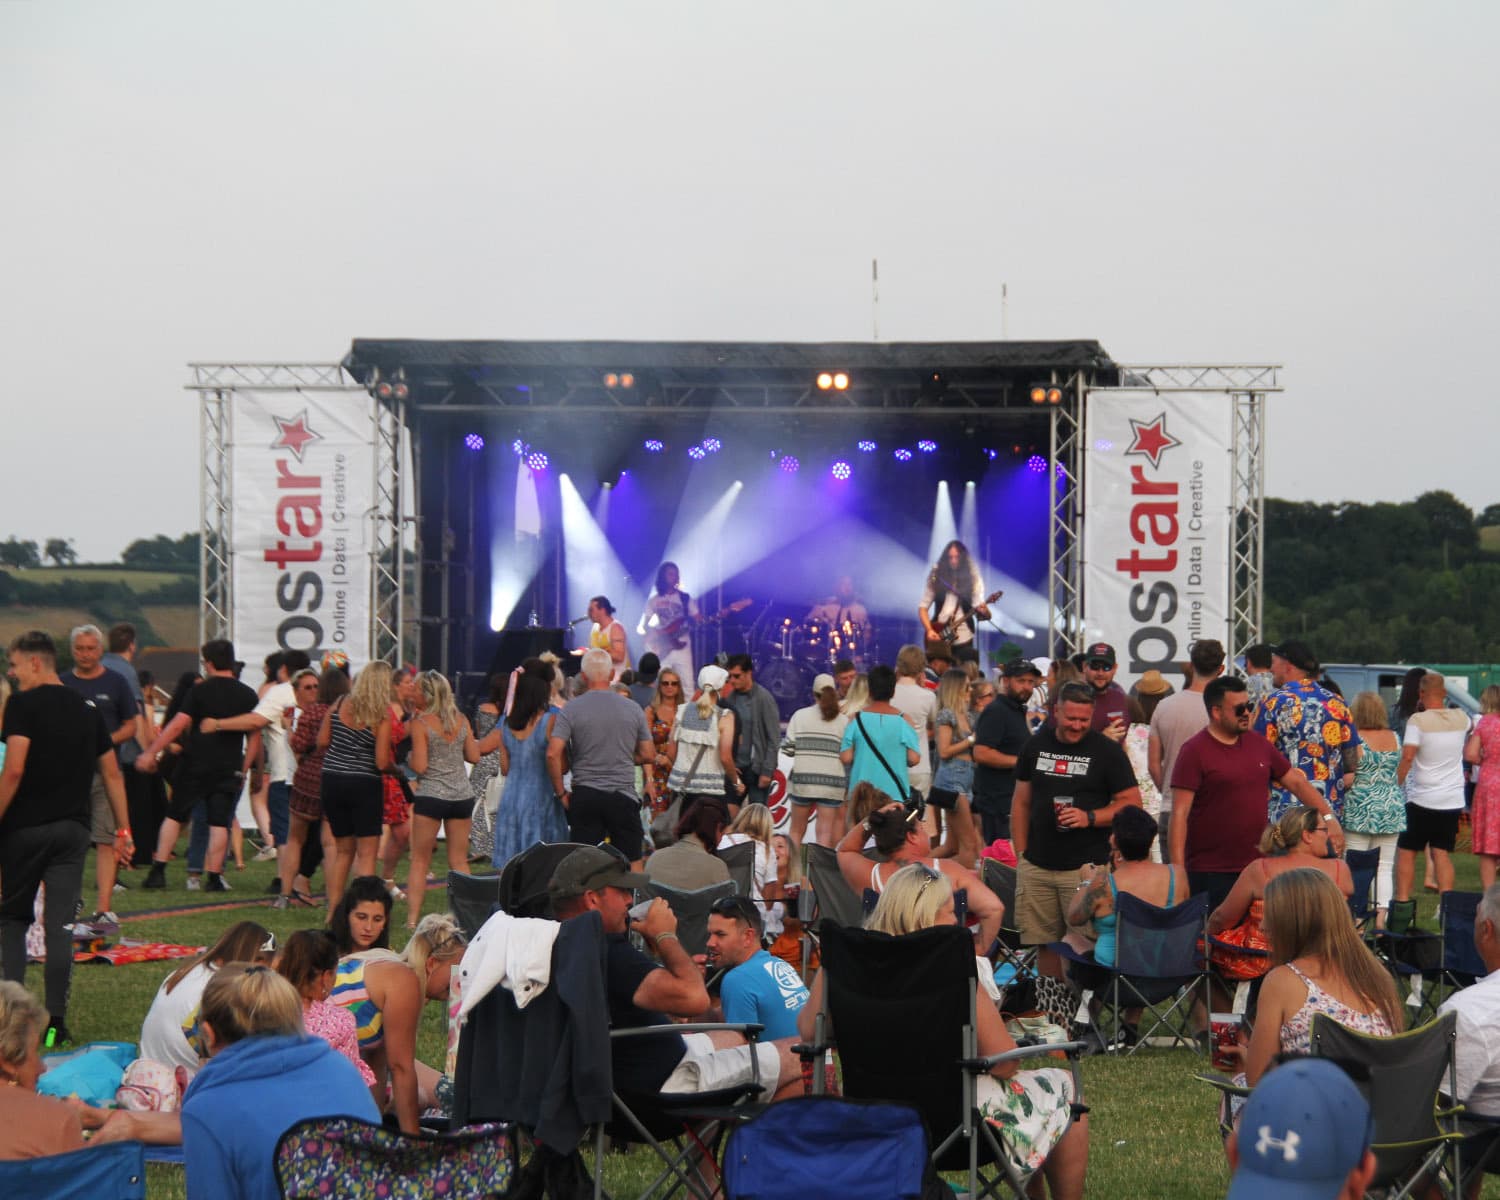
pixel 789 653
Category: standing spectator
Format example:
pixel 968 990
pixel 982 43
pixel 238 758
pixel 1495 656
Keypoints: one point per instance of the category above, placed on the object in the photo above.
pixel 604 735
pixel 213 767
pixel 1483 751
pixel 759 729
pixel 1258 677
pixel 1408 701
pixel 1175 720
pixel 315 694
pixel 1309 725
pixel 1111 704
pixel 1432 770
pixel 844 672
pixel 486 717
pixel 1375 809
pixel 816 734
pixel 879 731
pixel 260 802
pixel 643 690
pixel 111 694
pixel 54 743
pixel 661 716
pixel 1219 789
pixel 999 734
pixel 703 744
pixel 355 738
pixel 529 812
pixel 953 776
pixel 1150 690
pixel 142 793
pixel 937 662
pixel 919 706
pixel 441 743
pixel 1070 782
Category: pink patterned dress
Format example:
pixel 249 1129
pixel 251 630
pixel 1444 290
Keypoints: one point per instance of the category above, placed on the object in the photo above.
pixel 1296 1031
pixel 335 1026
pixel 1485 814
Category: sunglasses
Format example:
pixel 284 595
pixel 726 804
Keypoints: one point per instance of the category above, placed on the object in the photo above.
pixel 1241 709
pixel 931 877
pixel 1098 664
pixel 739 907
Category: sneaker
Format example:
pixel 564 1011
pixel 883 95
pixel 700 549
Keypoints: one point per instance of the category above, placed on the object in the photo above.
pixel 265 854
pixel 216 883
pixel 156 878
pixel 121 887
pixel 195 883
pixel 104 924
pixel 281 902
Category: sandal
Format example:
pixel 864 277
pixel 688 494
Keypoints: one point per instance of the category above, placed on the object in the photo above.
pixel 396 892
pixel 303 899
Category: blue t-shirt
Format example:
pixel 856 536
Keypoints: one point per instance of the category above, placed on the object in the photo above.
pixel 765 990
pixel 891 733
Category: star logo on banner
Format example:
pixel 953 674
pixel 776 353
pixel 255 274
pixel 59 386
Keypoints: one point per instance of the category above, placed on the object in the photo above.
pixel 1151 438
pixel 294 435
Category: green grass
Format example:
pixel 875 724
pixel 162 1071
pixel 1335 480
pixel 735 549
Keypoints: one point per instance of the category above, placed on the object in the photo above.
pixel 1153 1128
pixel 137 581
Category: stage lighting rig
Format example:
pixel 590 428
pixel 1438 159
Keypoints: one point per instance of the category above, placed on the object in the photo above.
pixel 1046 393
pixel 474 441
pixel 840 381
pixel 825 381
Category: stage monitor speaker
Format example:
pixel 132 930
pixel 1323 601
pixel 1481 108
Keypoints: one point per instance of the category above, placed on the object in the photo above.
pixel 517 645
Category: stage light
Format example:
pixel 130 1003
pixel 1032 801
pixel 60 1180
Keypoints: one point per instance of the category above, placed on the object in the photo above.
pixel 383 390
pixel 653 445
pixel 789 463
pixel 627 380
pixel 697 453
pixel 1104 444
pixel 866 446
pixel 537 461
pixel 842 470
pixel 901 454
pixel 1036 463
pixel 840 381
pixel 473 441
pixel 1046 393
pixel 400 390
pixel 518 447
pixel 825 381
pixel 992 455
pixel 611 380
pixel 927 446
pixel 712 445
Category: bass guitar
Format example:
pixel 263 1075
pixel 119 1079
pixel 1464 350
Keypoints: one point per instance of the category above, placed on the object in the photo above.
pixel 677 631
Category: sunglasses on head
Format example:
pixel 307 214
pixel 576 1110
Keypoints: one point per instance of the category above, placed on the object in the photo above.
pixel 738 907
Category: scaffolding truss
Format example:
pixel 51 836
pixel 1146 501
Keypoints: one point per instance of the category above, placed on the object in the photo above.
pixel 216 384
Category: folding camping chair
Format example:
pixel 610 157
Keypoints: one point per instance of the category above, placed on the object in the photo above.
pixel 925 985
pixel 1461 962
pixel 1159 960
pixel 1363 866
pixel 522 890
pixel 472 898
pixel 1415 1136
pixel 116 1170
pixel 1015 964
pixel 836 900
pixel 342 1156
pixel 740 859
pixel 691 910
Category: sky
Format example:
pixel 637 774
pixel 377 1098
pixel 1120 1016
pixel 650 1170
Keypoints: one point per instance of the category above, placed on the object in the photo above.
pixel 1292 183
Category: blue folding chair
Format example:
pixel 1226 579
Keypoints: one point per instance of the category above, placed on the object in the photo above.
pixel 1461 962
pixel 1363 866
pixel 116 1170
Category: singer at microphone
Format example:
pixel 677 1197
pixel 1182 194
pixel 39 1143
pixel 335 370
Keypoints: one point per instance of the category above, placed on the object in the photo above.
pixel 607 634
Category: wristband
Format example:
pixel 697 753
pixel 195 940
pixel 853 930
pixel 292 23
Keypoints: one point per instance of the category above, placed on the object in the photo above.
pixel 661 937
pixel 1091 818
pixel 125 832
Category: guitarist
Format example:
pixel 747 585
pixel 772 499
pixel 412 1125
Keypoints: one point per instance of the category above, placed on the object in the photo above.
pixel 952 600
pixel 666 623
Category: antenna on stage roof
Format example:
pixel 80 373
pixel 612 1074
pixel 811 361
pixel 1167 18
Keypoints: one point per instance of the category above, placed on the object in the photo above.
pixel 875 298
pixel 1004 313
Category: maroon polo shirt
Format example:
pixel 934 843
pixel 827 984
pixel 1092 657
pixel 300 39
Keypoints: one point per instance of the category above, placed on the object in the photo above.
pixel 1231 786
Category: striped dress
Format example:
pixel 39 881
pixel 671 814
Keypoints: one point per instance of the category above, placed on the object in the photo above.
pixel 817 774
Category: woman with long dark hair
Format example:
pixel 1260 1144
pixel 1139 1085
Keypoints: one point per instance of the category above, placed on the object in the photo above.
pixel 529 811
pixel 162 1036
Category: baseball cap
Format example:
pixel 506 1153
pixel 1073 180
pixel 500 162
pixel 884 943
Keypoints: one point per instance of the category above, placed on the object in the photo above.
pixel 713 676
pixel 1299 654
pixel 1019 666
pixel 822 683
pixel 591 869
pixel 1303 1129
pixel 1101 651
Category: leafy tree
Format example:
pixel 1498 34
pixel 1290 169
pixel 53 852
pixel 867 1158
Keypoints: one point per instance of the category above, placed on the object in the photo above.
pixel 1489 517
pixel 17 553
pixel 61 552
pixel 162 552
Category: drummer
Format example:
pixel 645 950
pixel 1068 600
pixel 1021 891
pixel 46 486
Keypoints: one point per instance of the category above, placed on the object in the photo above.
pixel 843 610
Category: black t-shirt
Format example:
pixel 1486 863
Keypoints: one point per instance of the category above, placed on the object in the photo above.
pixel 67 736
pixel 109 693
pixel 1001 726
pixel 212 756
pixel 640 1064
pixel 1090 772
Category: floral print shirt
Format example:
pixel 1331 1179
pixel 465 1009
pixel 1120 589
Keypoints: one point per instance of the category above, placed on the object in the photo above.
pixel 1312 727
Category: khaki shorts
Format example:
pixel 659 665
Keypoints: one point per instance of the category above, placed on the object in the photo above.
pixel 101 815
pixel 1042 899
pixel 705 1069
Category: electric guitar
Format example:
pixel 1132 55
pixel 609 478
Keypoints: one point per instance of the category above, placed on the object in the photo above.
pixel 677 631
pixel 959 619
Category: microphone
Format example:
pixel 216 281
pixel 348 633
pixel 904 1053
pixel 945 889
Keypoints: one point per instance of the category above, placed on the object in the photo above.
pixel 577 621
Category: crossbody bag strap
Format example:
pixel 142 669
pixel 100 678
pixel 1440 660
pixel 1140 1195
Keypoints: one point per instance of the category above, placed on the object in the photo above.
pixel 900 785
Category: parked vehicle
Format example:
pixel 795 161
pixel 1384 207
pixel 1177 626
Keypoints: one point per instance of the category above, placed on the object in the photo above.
pixel 1386 678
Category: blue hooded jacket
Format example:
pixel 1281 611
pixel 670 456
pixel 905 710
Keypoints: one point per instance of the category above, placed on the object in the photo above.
pixel 247 1096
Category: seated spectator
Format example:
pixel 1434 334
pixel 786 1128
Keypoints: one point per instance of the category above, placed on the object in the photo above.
pixel 641 992
pixel 1321 967
pixel 901 837
pixel 1305 1135
pixel 435 948
pixel 31 1126
pixel 755 987
pixel 264 1075
pixel 754 825
pixel 1033 1107
pixel 690 863
pixel 1477 1052
pixel 163 1036
pixel 309 962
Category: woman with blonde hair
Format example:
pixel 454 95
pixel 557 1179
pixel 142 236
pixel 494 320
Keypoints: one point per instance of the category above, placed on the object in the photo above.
pixel 661 715
pixel 1375 808
pixel 857 697
pixel 263 1076
pixel 1035 1107
pixel 755 825
pixel 1322 966
pixel 1482 749
pixel 355 738
pixel 953 778
pixel 704 737
pixel 1298 840
pixel 436 948
pixel 441 742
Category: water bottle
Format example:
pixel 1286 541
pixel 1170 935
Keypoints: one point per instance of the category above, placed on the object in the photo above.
pixel 532 621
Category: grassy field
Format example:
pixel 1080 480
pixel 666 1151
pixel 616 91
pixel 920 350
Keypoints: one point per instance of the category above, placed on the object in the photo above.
pixel 136 581
pixel 1153 1127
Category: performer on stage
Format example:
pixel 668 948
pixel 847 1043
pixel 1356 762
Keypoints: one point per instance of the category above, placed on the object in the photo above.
pixel 608 634
pixel 843 608
pixel 953 598
pixel 667 622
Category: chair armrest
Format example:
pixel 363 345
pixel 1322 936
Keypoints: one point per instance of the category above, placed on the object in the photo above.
pixel 807 1050
pixel 980 1065
pixel 749 1030
pixel 1224 1084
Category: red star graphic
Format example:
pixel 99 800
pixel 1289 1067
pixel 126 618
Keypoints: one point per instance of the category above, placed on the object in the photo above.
pixel 1152 438
pixel 294 434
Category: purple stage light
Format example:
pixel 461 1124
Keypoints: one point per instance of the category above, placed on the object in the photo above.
pixel 696 453
pixel 518 447
pixel 653 445
pixel 473 441
pixel 868 447
pixel 901 454
pixel 842 470
pixel 926 445
pixel 537 461
pixel 712 445
pixel 789 463
pixel 992 455
pixel 1036 463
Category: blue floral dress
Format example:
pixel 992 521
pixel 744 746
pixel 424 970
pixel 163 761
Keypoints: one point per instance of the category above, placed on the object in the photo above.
pixel 529 813
pixel 1376 803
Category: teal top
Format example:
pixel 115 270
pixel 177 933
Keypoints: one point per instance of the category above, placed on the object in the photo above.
pixel 1104 948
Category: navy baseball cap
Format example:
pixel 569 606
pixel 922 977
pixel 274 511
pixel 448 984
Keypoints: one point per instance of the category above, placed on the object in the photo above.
pixel 1303 1129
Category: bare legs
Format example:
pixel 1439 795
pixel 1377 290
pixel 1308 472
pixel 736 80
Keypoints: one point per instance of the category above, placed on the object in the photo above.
pixel 423 842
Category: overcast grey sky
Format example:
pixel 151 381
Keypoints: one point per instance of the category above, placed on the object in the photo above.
pixel 1306 183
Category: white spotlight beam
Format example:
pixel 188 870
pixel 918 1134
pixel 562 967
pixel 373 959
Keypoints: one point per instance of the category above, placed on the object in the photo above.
pixel 515 552
pixel 592 567
pixel 968 520
pixel 943 528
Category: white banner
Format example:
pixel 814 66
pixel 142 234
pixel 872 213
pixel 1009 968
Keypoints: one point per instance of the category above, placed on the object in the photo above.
pixel 302 467
pixel 1158 471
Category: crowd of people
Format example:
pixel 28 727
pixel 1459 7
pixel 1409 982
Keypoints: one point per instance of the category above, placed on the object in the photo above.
pixel 1247 789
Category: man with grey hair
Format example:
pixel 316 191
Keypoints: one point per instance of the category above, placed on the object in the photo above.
pixel 1477 1050
pixel 604 736
pixel 110 694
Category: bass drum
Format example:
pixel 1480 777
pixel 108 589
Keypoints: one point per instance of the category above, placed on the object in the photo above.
pixel 789 683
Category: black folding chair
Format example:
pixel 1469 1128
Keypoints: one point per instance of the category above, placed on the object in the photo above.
pixel 836 900
pixel 1462 964
pixel 691 910
pixel 522 887
pixel 472 898
pixel 740 860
